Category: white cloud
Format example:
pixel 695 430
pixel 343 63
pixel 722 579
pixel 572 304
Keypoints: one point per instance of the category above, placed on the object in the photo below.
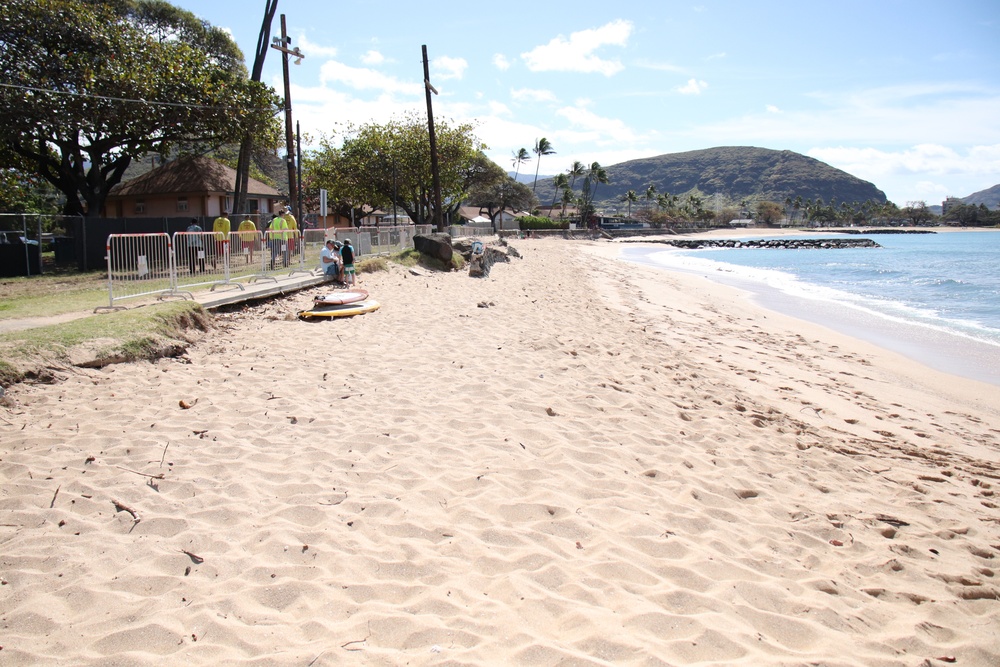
pixel 717 56
pixel 922 159
pixel 928 172
pixel 772 109
pixel 362 78
pixel 313 50
pixel 659 66
pixel 500 62
pixel 446 67
pixel 576 54
pixel 602 130
pixel 372 57
pixel 531 95
pixel 692 87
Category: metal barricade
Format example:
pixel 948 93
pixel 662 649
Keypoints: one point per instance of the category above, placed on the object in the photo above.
pixel 202 258
pixel 246 256
pixel 140 265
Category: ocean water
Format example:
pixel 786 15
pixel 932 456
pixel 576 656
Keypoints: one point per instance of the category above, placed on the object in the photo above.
pixel 932 297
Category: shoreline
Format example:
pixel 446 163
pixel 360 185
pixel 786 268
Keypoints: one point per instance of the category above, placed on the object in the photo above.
pixel 574 460
pixel 943 351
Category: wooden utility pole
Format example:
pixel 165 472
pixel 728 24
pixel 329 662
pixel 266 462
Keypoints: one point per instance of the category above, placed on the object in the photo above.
pixel 246 145
pixel 282 46
pixel 436 179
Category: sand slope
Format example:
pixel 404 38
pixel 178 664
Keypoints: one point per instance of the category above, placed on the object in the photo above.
pixel 575 461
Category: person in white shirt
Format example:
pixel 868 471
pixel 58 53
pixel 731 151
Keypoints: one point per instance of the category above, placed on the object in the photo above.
pixel 330 261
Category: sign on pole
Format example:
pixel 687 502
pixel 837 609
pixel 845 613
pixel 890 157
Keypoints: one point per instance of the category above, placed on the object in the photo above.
pixel 322 203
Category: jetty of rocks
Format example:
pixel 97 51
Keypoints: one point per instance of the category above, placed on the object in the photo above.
pixel 778 244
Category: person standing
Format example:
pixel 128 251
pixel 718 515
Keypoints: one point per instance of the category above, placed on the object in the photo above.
pixel 347 256
pixel 293 231
pixel 277 237
pixel 221 227
pixel 195 247
pixel 248 237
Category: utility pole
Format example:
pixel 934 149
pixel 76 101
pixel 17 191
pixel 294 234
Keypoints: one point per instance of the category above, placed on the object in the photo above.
pixel 298 192
pixel 428 89
pixel 281 44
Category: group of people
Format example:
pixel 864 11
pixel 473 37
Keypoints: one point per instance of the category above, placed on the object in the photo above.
pixel 337 261
pixel 283 230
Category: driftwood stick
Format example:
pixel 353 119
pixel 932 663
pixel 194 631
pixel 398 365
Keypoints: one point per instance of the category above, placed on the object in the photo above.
pixel 144 474
pixel 53 503
pixel 164 454
pixel 122 507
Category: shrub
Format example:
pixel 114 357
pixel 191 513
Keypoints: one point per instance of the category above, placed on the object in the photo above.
pixel 537 222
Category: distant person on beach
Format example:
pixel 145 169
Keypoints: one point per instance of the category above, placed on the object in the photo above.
pixel 248 237
pixel 195 247
pixel 347 255
pixel 277 238
pixel 221 227
pixel 329 258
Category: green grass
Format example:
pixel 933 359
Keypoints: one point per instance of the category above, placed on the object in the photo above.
pixel 52 294
pixel 413 257
pixel 129 335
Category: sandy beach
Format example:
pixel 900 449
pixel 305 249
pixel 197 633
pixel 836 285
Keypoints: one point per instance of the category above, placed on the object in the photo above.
pixel 575 461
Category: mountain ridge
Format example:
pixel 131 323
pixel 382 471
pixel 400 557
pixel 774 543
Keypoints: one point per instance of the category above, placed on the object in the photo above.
pixel 738 173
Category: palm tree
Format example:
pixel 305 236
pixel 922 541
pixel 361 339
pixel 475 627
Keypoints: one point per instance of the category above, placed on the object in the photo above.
pixel 520 157
pixel 595 175
pixel 542 147
pixel 560 182
pixel 577 170
pixel 629 198
pixel 567 199
pixel 650 195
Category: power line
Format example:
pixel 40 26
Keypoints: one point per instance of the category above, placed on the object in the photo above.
pixel 126 99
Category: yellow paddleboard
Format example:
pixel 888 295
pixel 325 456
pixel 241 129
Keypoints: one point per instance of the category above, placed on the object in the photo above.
pixel 344 310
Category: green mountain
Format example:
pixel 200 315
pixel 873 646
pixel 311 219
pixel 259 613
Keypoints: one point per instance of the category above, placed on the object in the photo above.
pixel 736 173
pixel 989 196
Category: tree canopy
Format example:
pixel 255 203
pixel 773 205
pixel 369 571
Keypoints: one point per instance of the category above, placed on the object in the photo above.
pixel 88 85
pixel 378 165
pixel 499 192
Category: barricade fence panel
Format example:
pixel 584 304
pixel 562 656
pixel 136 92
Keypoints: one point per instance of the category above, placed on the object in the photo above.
pixel 471 230
pixel 139 265
pixel 202 258
pixel 161 263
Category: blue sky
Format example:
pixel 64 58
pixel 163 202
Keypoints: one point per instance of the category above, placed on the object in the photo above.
pixel 902 93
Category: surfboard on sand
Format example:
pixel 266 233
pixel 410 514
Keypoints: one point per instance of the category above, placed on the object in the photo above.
pixel 339 298
pixel 340 310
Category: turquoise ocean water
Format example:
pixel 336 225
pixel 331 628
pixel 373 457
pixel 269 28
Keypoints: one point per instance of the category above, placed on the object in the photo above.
pixel 932 297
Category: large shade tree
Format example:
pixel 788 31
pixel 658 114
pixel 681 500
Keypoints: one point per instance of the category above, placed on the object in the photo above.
pixel 497 192
pixel 384 165
pixel 90 85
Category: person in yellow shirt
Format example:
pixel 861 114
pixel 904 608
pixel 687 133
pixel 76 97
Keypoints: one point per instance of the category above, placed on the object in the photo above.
pixel 221 227
pixel 248 237
pixel 293 227
pixel 277 237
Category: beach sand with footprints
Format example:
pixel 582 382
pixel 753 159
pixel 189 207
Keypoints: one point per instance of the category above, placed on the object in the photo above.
pixel 575 461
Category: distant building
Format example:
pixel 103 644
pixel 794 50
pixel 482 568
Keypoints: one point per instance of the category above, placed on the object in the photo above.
pixel 950 203
pixel 187 187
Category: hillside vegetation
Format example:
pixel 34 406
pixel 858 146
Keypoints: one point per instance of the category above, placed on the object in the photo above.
pixel 989 196
pixel 736 172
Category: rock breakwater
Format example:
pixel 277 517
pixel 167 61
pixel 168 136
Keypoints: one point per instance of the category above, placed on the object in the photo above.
pixel 778 244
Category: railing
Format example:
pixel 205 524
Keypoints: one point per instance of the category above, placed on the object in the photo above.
pixel 168 265
pixel 140 265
